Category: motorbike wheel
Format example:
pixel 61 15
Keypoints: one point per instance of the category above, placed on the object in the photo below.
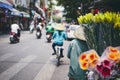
pixel 39 36
pixel 48 40
pixel 12 40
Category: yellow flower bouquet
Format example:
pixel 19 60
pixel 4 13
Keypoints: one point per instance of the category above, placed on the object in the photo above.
pixel 101 30
pixel 88 60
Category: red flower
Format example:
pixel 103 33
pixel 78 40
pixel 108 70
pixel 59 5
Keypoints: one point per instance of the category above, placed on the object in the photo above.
pixel 106 63
pixel 99 68
pixel 105 71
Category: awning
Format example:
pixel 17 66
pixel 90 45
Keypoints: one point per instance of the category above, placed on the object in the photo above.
pixel 25 14
pixel 6 6
pixel 15 12
pixel 6 2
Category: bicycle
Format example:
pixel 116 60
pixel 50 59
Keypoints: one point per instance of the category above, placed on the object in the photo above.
pixel 58 54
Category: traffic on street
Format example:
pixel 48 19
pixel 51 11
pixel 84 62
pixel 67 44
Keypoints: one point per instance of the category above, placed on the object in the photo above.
pixel 31 59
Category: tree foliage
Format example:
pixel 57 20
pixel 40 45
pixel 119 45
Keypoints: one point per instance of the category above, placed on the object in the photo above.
pixel 71 6
pixel 110 5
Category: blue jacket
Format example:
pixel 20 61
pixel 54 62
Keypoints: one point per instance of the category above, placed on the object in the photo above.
pixel 58 39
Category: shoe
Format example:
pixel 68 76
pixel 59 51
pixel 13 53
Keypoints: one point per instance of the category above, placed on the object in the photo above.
pixel 61 56
pixel 53 53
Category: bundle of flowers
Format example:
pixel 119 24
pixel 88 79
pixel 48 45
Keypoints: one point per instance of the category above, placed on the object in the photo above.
pixel 88 60
pixel 102 30
pixel 106 65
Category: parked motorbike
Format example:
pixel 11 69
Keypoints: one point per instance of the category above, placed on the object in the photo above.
pixel 38 33
pixel 13 37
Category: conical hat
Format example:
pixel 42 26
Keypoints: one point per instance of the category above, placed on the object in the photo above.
pixel 79 33
pixel 60 27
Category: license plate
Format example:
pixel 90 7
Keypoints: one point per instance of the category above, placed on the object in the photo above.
pixel 48 36
pixel 38 33
pixel 11 35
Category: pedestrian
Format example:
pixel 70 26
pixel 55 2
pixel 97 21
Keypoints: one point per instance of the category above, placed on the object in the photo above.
pixel 76 47
pixel 58 37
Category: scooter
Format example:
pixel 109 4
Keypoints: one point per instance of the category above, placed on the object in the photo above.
pixel 38 33
pixel 13 37
pixel 48 36
pixel 49 33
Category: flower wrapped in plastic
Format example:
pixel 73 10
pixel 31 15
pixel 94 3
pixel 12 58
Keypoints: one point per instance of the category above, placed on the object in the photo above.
pixel 107 66
pixel 88 60
pixel 108 61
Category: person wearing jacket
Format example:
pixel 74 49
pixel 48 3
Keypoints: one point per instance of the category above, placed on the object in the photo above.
pixel 76 47
pixel 58 37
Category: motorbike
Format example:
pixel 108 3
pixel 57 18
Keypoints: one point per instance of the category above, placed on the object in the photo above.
pixel 48 36
pixel 38 33
pixel 13 37
pixel 49 33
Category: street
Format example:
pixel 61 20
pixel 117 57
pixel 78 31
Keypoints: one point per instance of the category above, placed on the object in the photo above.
pixel 31 59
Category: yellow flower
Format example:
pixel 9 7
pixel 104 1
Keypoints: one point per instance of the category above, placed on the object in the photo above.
pixel 117 25
pixel 113 50
pixel 112 56
pixel 84 65
pixel 93 63
pixel 92 56
pixel 83 57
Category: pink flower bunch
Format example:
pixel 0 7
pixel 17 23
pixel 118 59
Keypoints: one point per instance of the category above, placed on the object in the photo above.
pixel 108 61
pixel 105 68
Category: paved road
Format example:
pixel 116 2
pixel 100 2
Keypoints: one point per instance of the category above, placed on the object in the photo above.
pixel 30 59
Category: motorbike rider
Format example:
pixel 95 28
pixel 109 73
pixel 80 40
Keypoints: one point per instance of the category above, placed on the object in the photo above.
pixel 58 37
pixel 49 28
pixel 15 29
pixel 39 26
pixel 49 31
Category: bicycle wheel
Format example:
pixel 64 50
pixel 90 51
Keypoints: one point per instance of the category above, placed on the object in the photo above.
pixel 58 61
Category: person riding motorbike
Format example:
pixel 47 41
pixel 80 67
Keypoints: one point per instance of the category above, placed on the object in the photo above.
pixel 58 37
pixel 15 29
pixel 49 28
pixel 49 31
pixel 39 27
pixel 38 30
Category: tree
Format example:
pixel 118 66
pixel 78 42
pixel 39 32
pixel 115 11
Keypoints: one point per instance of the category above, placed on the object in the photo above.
pixel 72 7
pixel 108 5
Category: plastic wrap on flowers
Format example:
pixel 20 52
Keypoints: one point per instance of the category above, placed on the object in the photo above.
pixel 88 60
pixel 107 66
pixel 108 62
